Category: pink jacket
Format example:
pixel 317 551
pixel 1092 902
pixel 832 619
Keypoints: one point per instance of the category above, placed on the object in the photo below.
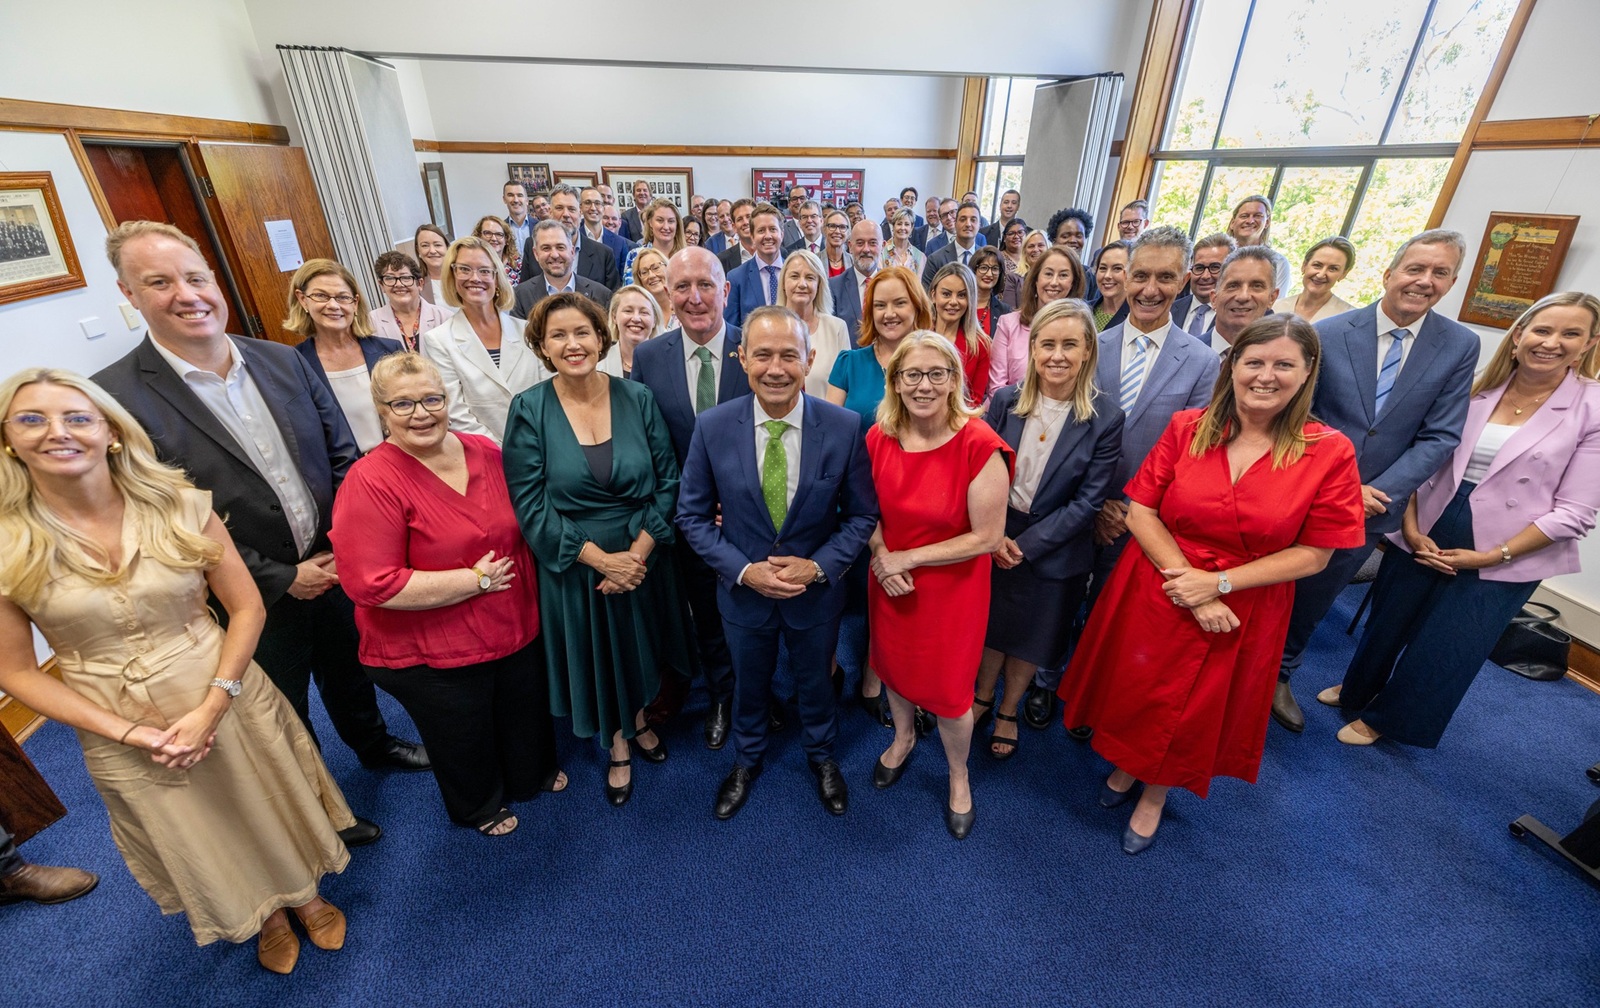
pixel 1547 474
pixel 1008 357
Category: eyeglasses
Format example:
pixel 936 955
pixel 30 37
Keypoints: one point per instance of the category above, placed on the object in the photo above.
pixel 837 227
pixel 938 377
pixel 468 272
pixel 321 297
pixel 494 236
pixel 989 268
pixel 593 203
pixel 391 280
pixel 406 407
pixel 37 424
pixel 1215 267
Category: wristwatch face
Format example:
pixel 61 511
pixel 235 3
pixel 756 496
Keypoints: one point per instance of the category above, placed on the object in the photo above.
pixel 484 583
pixel 1224 586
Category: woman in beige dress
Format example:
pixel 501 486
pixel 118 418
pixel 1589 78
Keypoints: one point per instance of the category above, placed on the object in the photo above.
pixel 218 800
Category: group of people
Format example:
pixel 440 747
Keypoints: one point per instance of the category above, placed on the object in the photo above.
pixel 526 491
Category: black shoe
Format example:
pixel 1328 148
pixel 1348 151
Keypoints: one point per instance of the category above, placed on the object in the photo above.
pixel 885 776
pixel 735 791
pixel 1082 733
pixel 1136 843
pixel 656 755
pixel 1038 706
pixel 925 723
pixel 365 831
pixel 995 740
pixel 618 796
pixel 960 823
pixel 830 786
pixel 777 717
pixel 396 754
pixel 838 680
pixel 984 715
pixel 877 707
pixel 717 724
pixel 1285 710
pixel 1110 797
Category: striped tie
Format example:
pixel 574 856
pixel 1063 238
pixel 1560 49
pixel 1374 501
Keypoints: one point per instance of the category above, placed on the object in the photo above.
pixel 1390 370
pixel 1133 374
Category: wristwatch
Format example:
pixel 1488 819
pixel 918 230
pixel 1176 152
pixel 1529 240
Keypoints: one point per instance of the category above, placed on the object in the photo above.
pixel 822 575
pixel 229 686
pixel 484 581
pixel 1224 586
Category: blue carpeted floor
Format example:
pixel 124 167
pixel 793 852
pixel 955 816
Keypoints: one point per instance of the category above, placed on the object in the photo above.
pixel 1347 876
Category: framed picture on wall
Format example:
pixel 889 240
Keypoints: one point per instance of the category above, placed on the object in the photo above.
pixel 1518 263
pixel 36 253
pixel 831 187
pixel 576 178
pixel 536 177
pixel 675 184
pixel 438 196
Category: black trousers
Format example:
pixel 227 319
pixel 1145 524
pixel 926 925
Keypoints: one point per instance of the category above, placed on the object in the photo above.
pixel 1314 596
pixel 1105 560
pixel 755 660
pixel 699 585
pixel 306 639
pixel 487 729
pixel 10 860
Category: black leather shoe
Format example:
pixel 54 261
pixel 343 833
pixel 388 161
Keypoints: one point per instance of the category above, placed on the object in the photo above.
pixel 735 791
pixel 1285 710
pixel 618 796
pixel 1038 706
pixel 397 755
pixel 830 787
pixel 1082 733
pixel 365 831
pixel 885 776
pixel 1110 797
pixel 656 755
pixel 877 708
pixel 1136 843
pixel 777 717
pixel 717 724
pixel 960 823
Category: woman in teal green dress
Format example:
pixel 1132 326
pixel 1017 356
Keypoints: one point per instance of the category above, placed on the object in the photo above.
pixel 594 482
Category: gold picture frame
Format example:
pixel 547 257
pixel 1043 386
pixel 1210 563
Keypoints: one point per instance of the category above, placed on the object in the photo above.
pixel 37 256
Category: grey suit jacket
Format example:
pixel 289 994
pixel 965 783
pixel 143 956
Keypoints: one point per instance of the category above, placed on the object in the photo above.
pixel 531 292
pixel 1181 378
pixel 595 261
pixel 1423 416
pixel 846 291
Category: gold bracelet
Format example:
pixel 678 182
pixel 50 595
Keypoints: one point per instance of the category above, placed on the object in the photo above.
pixel 124 739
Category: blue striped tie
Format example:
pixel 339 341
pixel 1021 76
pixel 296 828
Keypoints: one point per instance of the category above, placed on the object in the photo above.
pixel 1133 374
pixel 1390 370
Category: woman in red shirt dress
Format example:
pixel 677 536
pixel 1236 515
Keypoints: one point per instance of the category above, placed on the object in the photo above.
pixel 942 477
pixel 447 603
pixel 955 317
pixel 1233 504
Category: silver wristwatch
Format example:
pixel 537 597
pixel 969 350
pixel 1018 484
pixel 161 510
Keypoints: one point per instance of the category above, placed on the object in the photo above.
pixel 229 686
pixel 1224 586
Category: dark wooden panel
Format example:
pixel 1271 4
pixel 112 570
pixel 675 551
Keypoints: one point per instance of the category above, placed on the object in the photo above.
pixel 29 804
pixel 18 114
pixel 125 179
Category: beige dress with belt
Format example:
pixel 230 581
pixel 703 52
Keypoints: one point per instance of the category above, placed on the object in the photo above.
pixel 253 826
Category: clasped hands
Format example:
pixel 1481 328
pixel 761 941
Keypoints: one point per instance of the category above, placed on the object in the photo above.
pixel 189 740
pixel 620 572
pixel 314 575
pixel 780 577
pixel 1448 561
pixel 893 571
pixel 1196 590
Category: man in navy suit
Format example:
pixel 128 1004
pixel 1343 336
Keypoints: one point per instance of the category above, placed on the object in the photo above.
pixel 960 248
pixel 809 221
pixel 738 250
pixel 1192 311
pixel 1396 380
pixel 777 498
pixel 595 261
pixel 755 283
pixel 791 219
pixel 632 220
pixel 849 287
pixel 592 207
pixel 691 369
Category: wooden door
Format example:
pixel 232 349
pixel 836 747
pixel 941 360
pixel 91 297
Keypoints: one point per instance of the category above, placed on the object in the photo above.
pixel 30 805
pixel 254 184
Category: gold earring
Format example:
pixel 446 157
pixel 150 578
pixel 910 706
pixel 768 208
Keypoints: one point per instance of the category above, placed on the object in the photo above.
pixel 114 447
pixel 11 451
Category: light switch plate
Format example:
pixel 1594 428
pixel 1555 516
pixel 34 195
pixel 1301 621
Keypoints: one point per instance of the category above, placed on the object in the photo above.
pixel 130 315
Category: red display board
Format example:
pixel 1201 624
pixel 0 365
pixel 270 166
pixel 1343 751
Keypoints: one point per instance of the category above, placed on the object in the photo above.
pixel 832 187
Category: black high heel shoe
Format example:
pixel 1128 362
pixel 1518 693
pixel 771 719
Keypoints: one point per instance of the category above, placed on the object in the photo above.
pixel 985 716
pixel 960 823
pixel 1110 797
pixel 884 776
pixel 656 755
pixel 618 796
pixel 877 708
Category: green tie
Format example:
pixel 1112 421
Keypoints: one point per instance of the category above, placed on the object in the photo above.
pixel 775 473
pixel 705 386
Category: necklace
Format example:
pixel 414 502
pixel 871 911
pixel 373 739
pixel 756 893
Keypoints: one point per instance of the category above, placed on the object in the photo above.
pixel 1066 407
pixel 1518 409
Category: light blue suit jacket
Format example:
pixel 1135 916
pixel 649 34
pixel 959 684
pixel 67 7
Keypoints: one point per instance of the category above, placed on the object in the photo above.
pixel 1181 378
pixel 746 291
pixel 1422 418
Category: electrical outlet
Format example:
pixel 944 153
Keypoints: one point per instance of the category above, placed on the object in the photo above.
pixel 92 328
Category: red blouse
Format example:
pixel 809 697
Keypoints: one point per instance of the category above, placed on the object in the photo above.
pixel 393 516
pixel 975 366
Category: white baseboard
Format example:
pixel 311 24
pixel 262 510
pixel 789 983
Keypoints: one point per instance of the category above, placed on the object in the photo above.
pixel 1579 619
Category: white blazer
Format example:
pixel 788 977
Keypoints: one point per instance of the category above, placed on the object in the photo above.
pixel 828 341
pixel 480 394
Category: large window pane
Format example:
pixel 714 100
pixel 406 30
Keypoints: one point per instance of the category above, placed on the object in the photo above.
pixel 1312 204
pixel 1229 185
pixel 1177 189
pixel 1197 104
pixel 1398 201
pixel 1462 41
pixel 1010 110
pixel 994 114
pixel 1320 72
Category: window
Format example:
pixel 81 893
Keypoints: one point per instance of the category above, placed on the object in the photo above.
pixel 1008 110
pixel 1345 113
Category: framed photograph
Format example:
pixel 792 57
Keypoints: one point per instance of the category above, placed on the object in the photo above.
pixel 576 178
pixel 535 176
pixel 36 253
pixel 832 187
pixel 675 184
pixel 438 196
pixel 1518 263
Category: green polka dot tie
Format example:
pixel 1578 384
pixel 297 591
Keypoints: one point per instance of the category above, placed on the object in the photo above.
pixel 775 472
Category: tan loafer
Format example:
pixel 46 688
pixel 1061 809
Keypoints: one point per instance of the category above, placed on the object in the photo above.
pixel 1330 696
pixel 326 927
pixel 1351 735
pixel 278 950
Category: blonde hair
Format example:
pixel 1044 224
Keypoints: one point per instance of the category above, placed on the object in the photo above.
pixel 823 302
pixel 1084 390
pixel 644 224
pixel 402 364
pixel 300 321
pixel 129 230
pixel 37 546
pixel 616 303
pixel 649 250
pixel 1501 366
pixel 1219 424
pixel 893 417
pixel 503 296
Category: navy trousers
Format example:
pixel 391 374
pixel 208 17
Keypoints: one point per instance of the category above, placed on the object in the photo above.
pixel 1427 637
pixel 1314 596
pixel 755 661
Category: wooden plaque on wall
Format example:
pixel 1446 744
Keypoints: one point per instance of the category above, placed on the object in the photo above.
pixel 1518 263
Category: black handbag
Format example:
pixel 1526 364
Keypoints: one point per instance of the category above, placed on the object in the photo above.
pixel 1533 646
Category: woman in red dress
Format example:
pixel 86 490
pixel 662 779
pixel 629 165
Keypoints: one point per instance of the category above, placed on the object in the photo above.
pixel 942 477
pixel 1233 504
pixel 955 317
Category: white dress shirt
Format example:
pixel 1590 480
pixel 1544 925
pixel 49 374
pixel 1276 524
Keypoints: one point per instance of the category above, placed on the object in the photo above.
pixel 791 450
pixel 692 367
pixel 1158 338
pixel 961 250
pixel 570 285
pixel 353 389
pixel 238 405
pixel 1386 328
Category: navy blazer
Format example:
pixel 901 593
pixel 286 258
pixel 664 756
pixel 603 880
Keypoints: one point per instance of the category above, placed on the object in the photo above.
pixel 613 241
pixel 717 244
pixel 1058 541
pixel 746 291
pixel 1181 378
pixel 658 363
pixel 186 434
pixel 846 293
pixel 1423 416
pixel 938 260
pixel 834 510
pixel 373 349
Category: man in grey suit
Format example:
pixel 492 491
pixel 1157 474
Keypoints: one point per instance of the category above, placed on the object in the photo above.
pixel 552 251
pixel 810 223
pixel 849 287
pixel 791 219
pixel 1155 369
pixel 959 249
pixel 593 259
pixel 1396 380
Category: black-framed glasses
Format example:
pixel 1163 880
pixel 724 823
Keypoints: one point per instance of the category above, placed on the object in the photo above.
pixel 937 377
pixel 393 280
pixel 1215 267
pixel 986 268
pixel 406 407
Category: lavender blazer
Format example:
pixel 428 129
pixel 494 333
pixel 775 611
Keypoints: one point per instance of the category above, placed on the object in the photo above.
pixel 1547 474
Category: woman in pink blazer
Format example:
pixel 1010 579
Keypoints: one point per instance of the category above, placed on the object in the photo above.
pixel 1057 274
pixel 1505 512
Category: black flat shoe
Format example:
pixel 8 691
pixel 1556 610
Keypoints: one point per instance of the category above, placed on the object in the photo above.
pixel 717 722
pixel 985 715
pixel 877 707
pixel 960 823
pixel 777 716
pixel 618 796
pixel 1110 797
pixel 735 791
pixel 831 787
pixel 1013 743
pixel 365 831
pixel 397 754
pixel 884 776
pixel 1038 706
pixel 1082 733
pixel 655 755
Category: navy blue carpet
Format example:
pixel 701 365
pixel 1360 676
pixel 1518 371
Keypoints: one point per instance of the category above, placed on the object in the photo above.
pixel 1347 876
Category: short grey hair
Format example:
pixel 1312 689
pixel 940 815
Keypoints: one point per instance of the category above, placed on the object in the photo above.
pixel 1260 253
pixel 1434 236
pixel 570 190
pixel 1165 236
pixel 811 204
pixel 1220 239
pixel 779 313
